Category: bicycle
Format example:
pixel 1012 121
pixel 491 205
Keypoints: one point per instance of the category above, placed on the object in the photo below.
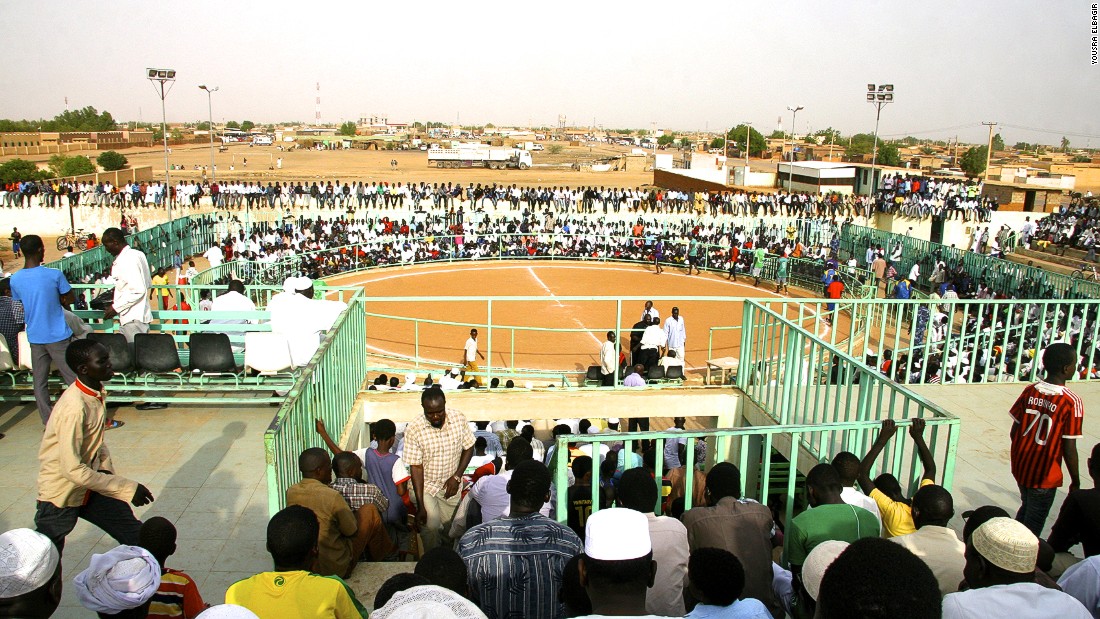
pixel 76 239
pixel 1087 273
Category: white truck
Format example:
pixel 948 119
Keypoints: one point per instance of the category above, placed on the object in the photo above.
pixel 493 158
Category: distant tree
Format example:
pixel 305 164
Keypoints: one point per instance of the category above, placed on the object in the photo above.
pixel 1065 144
pixel 685 143
pixel 490 126
pixel 1023 146
pixel 927 150
pixel 203 126
pixel 998 142
pixel 777 135
pixel 909 141
pixel 175 134
pixel 665 140
pixel 348 128
pixel 828 135
pixel 111 160
pixel 247 125
pixel 861 144
pixel 973 161
pixel 60 165
pixel 888 154
pixel 232 125
pixel 717 143
pixel 757 144
pixel 1081 159
pixel 555 149
pixel 19 170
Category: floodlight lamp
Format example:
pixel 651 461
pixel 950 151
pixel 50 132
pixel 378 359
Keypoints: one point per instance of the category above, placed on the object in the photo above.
pixel 870 87
pixel 152 73
pixel 870 96
pixel 171 74
pixel 202 87
pixel 889 88
pixel 889 97
pixel 882 97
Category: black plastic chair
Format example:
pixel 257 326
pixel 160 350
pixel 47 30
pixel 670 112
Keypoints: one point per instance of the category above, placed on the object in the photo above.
pixel 156 354
pixel 655 374
pixel 674 373
pixel 212 354
pixel 122 357
pixel 594 376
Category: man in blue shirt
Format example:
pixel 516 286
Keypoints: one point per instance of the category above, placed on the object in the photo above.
pixel 45 293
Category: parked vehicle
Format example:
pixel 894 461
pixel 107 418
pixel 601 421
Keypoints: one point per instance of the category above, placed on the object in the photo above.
pixel 493 158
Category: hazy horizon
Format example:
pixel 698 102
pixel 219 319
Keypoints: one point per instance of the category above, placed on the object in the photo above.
pixel 704 66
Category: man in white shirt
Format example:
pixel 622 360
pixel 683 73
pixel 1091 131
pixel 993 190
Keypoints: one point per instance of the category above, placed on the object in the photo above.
pixel 132 281
pixel 671 360
pixel 1082 581
pixel 470 354
pixel 650 312
pixel 653 340
pixel 937 545
pixel 234 300
pixel 609 360
pixel 846 464
pixel 214 255
pixel 301 318
pixel 676 333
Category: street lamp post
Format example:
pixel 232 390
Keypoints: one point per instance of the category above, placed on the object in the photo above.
pixel 748 140
pixel 210 109
pixel 790 170
pixel 878 96
pixel 162 81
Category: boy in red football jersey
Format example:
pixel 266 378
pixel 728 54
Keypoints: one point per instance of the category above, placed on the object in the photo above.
pixel 1047 419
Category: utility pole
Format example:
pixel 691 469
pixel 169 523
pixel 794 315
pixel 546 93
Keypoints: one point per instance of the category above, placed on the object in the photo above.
pixel 955 158
pixel 988 149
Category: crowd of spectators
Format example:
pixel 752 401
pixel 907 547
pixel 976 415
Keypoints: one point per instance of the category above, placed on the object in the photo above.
pixel 1076 226
pixel 920 197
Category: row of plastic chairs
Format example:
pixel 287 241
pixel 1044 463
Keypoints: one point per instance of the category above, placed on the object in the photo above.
pixel 656 374
pixel 155 354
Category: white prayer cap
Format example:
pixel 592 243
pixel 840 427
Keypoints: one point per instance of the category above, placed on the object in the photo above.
pixel 428 602
pixel 819 560
pixel 410 378
pixel 227 611
pixel 296 284
pixel 123 578
pixel 1008 544
pixel 612 420
pixel 617 534
pixel 28 560
pixel 455 371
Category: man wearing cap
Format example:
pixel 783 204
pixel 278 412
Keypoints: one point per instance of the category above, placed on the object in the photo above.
pixel 30 575
pixel 438 447
pixel 120 580
pixel 638 491
pixel 515 562
pixel 1000 570
pixel 301 318
pixel 617 567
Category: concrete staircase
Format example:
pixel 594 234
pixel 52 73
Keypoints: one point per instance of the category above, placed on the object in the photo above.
pixel 1063 265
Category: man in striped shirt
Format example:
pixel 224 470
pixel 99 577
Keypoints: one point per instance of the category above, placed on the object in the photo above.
pixel 1047 420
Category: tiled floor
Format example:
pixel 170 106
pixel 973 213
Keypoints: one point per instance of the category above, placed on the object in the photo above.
pixel 206 468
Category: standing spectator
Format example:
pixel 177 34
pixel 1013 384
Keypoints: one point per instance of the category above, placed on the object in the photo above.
pixel 214 255
pixel 132 281
pixel 936 544
pixel 76 476
pixel 638 491
pixel 470 354
pixel 653 341
pixel 609 361
pixel 1046 423
pixel 15 237
pixel 438 446
pixel 160 281
pixel 878 267
pixel 523 547
pixel 12 320
pixel 45 294
pixel 1000 572
pixel 740 526
pixel 1079 519
pixel 676 333
pixel 291 589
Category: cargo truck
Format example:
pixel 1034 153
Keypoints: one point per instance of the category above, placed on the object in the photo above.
pixel 493 158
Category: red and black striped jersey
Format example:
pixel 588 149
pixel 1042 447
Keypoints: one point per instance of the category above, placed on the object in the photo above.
pixel 1042 416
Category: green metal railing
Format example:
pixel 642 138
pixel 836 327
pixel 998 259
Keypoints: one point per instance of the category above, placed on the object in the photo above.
pixel 1002 276
pixel 190 235
pixel 326 390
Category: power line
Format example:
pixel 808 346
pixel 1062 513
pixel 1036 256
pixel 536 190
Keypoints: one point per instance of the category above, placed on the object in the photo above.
pixel 1052 131
pixel 915 133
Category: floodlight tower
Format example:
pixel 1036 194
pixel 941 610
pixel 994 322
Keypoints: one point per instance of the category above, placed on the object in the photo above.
pixel 162 81
pixel 879 96
pixel 210 90
pixel 790 175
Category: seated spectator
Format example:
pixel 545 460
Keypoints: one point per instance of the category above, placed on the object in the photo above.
pixel 717 580
pixel 580 495
pixel 492 443
pixel 30 575
pixel 636 378
pixel 935 543
pixel 119 583
pixel 491 491
pixel 677 479
pixel 846 464
pixel 384 469
pixel 1000 571
pixel 233 300
pixel 668 536
pixel 523 545
pixel 873 578
pixel 897 514
pixel 443 567
pixel 396 584
pixel 573 596
pixel 506 435
pixel 227 611
pixel 617 567
pixel 670 360
pixel 292 541
pixel 428 601
pixel 830 519
pixel 538 448
pixel 817 563
pixel 740 526
pixel 1079 519
pixel 344 534
pixel 349 483
pixel 1082 582
pixel 483 462
pixel 178 595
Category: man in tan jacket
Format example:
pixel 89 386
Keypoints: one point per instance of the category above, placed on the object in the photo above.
pixel 76 477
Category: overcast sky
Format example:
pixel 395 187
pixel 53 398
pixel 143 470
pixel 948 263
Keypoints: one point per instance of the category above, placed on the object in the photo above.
pixel 683 65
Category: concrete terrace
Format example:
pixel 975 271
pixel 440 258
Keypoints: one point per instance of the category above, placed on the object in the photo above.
pixel 206 468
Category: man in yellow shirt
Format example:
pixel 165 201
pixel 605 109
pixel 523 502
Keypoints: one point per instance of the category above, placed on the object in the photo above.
pixel 291 589
pixel 161 279
pixel 896 510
